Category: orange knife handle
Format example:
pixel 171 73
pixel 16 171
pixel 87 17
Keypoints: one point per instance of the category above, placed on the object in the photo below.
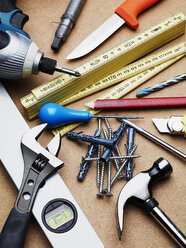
pixel 130 9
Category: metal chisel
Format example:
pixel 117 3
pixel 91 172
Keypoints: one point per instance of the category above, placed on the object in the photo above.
pixel 125 13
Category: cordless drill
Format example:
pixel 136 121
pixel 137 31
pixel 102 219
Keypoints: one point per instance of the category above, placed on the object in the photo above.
pixel 19 56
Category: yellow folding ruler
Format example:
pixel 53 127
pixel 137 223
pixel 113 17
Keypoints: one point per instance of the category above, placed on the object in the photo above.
pixel 105 66
pixel 122 89
pixel 129 71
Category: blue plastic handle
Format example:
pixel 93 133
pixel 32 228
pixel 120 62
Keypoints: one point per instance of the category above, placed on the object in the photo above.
pixel 56 115
pixel 6 24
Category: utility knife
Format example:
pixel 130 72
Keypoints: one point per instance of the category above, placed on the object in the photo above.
pixel 175 125
pixel 125 13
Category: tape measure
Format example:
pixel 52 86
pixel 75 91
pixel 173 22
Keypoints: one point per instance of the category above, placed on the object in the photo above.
pixel 122 89
pixel 62 87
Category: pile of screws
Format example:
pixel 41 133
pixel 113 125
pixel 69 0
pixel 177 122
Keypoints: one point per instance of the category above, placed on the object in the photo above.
pixel 111 153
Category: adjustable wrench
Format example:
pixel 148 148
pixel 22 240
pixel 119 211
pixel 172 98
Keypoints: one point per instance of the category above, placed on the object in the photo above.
pixel 40 164
pixel 12 128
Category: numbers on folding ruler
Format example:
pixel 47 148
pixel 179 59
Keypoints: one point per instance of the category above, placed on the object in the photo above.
pixel 55 84
pixel 113 52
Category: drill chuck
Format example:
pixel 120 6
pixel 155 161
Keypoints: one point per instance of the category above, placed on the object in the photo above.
pixel 19 58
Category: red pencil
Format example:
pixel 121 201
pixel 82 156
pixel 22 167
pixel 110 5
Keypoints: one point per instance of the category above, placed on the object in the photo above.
pixel 138 103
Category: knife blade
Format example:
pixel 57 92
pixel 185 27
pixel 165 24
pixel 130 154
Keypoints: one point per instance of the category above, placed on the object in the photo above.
pixel 125 13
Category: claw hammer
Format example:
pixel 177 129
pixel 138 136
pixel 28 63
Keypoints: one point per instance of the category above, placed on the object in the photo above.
pixel 139 191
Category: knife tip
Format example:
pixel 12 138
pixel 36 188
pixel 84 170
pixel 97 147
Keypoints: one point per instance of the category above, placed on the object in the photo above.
pixel 71 56
pixel 76 54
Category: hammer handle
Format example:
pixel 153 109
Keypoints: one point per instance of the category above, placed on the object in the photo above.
pixel 169 226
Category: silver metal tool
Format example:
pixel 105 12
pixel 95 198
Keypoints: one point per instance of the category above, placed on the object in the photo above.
pixel 175 125
pixel 20 58
pixel 129 146
pixel 68 20
pixel 139 191
pixel 113 158
pixel 162 85
pixel 123 165
pixel 12 128
pixel 98 167
pixel 39 165
pixel 156 139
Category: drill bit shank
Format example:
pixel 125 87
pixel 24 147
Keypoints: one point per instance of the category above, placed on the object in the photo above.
pixel 20 58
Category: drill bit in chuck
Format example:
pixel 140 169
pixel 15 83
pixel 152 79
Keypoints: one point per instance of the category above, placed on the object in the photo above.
pixel 67 71
pixel 49 66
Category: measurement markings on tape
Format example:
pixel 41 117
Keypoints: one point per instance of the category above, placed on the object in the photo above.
pixel 129 71
pixel 120 75
pixel 122 89
pixel 107 63
pixel 114 58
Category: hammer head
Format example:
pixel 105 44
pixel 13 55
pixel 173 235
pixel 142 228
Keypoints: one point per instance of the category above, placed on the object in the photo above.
pixel 139 188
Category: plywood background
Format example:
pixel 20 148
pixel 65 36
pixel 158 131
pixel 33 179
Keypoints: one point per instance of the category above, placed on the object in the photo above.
pixel 140 229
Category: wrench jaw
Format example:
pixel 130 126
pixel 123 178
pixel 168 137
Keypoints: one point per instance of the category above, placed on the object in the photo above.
pixel 39 163
pixel 31 148
pixel 54 145
pixel 33 134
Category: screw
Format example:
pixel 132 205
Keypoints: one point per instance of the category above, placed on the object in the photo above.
pixel 109 162
pixel 99 155
pixel 130 144
pixel 122 166
pixel 117 149
pixel 121 176
pixel 100 193
pixel 108 193
pixel 114 157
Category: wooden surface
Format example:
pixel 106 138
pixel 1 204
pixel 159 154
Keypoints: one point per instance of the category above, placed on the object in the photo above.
pixel 140 229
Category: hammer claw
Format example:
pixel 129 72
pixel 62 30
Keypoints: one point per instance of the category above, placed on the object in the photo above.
pixel 135 188
pixel 138 189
